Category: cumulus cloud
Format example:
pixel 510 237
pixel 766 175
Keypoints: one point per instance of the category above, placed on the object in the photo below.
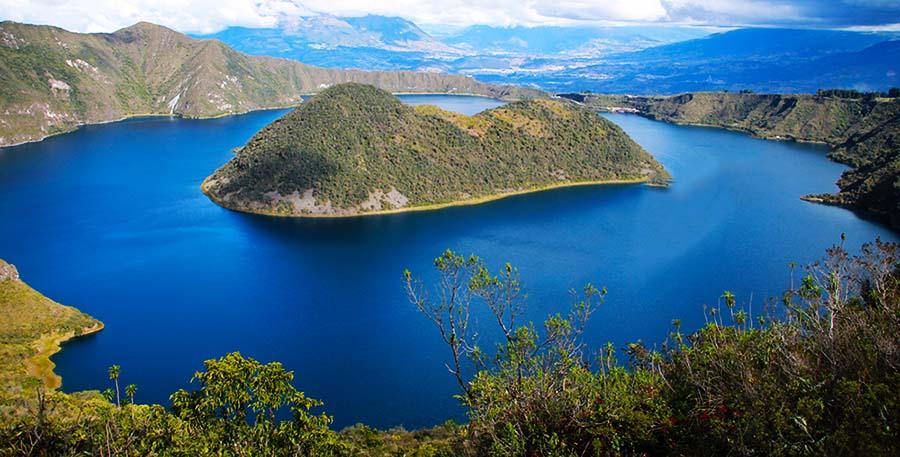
pixel 107 15
pixel 207 16
pixel 632 10
pixel 811 13
pixel 733 12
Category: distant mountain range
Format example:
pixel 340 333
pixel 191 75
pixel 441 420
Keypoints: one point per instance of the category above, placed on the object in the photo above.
pixel 763 60
pixel 627 59
pixel 52 80
pixel 570 41
pixel 369 42
pixel 380 42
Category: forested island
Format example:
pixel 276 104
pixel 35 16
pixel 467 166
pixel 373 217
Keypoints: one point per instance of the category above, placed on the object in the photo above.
pixel 53 80
pixel 863 130
pixel 355 149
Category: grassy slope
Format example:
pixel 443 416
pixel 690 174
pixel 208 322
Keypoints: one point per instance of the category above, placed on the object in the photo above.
pixel 31 330
pixel 52 80
pixel 863 133
pixel 353 141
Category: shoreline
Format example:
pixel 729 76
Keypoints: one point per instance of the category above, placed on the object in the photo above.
pixel 41 367
pixel 218 116
pixel 142 115
pixel 751 133
pixel 437 206
pixel 736 129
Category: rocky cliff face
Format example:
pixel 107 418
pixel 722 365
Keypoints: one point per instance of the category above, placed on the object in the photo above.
pixel 8 272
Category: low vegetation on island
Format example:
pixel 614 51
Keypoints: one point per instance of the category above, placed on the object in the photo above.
pixel 863 130
pixel 53 80
pixel 817 372
pixel 355 149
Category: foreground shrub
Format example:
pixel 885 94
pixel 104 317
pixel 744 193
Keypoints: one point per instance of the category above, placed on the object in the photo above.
pixel 821 378
pixel 816 375
pixel 235 411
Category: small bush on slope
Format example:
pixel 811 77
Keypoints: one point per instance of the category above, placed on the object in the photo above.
pixel 816 375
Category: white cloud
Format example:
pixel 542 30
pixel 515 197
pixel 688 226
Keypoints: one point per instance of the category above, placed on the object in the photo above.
pixel 496 12
pixel 876 28
pixel 633 10
pixel 108 15
pixel 206 16
pixel 733 11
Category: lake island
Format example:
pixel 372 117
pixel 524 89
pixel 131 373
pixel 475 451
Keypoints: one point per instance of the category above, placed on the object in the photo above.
pixel 355 149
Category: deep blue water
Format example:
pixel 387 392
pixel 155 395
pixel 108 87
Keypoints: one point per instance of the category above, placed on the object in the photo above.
pixel 110 219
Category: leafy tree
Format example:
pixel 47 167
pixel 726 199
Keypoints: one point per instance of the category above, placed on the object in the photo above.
pixel 238 406
pixel 114 372
pixel 534 393
pixel 816 374
pixel 130 390
pixel 242 407
pixel 820 377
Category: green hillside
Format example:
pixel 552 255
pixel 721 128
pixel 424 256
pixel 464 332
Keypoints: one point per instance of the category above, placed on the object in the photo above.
pixel 863 131
pixel 52 80
pixel 31 330
pixel 357 149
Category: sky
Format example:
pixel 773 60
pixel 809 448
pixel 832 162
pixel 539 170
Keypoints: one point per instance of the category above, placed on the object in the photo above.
pixel 209 16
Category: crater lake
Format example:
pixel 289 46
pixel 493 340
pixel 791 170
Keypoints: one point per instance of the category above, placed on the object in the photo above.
pixel 110 219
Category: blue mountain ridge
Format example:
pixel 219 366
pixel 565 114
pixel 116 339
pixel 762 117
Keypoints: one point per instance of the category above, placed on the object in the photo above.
pixel 628 59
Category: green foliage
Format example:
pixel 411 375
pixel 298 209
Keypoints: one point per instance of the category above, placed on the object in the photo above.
pixel 822 380
pixel 535 393
pixel 25 69
pixel 30 323
pixel 855 94
pixel 130 390
pixel 816 376
pixel 54 424
pixel 237 406
pixel 874 183
pixel 353 140
pixel 818 373
pixel 114 372
pixel 444 440
pixel 235 411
